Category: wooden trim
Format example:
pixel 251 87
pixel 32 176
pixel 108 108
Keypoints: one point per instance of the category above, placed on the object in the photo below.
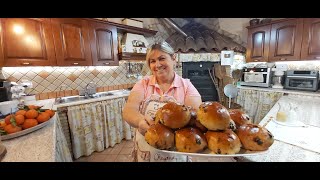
pixel 132 56
pixel 272 22
pixel 122 28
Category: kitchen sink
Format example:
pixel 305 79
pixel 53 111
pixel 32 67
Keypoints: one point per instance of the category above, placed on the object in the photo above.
pixel 103 94
pixel 69 99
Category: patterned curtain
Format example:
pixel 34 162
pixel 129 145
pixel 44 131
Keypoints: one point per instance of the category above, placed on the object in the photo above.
pixel 257 103
pixel 96 126
pixel 116 128
pixel 62 152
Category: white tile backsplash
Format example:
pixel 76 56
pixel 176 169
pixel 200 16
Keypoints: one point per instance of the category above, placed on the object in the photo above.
pixel 55 76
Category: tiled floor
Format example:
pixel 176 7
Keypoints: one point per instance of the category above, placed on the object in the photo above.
pixel 119 153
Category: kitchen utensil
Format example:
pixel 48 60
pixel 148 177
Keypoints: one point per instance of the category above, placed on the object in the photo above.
pixel 219 74
pixel 231 92
pixel 214 80
pixel 236 75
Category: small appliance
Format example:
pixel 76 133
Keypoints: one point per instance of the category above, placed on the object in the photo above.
pixel 302 80
pixel 259 77
pixel 278 75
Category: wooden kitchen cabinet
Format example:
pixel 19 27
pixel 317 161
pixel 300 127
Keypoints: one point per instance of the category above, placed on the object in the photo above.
pixel 26 42
pixel 285 40
pixel 258 44
pixel 72 43
pixel 311 39
pixel 104 44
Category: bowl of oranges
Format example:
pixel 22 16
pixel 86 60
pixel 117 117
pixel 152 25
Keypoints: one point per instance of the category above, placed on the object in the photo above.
pixel 24 121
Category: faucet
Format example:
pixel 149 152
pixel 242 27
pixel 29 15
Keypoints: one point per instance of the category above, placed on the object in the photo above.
pixel 86 92
pixel 58 99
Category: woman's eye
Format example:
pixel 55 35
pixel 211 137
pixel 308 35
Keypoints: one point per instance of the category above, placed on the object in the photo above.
pixel 152 61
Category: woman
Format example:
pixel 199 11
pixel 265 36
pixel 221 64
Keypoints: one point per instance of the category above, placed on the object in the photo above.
pixel 151 93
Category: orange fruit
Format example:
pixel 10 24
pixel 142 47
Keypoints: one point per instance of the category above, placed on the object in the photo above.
pixel 2 124
pixel 22 112
pixel 31 114
pixel 43 117
pixel 10 128
pixel 7 119
pixel 28 123
pixel 19 119
pixel 50 111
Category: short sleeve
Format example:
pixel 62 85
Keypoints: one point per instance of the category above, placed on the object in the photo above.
pixel 138 87
pixel 191 90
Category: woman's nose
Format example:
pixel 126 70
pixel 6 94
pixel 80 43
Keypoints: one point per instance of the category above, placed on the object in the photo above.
pixel 158 64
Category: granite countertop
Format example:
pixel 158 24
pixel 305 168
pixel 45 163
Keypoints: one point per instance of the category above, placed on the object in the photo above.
pixel 310 93
pixel 285 150
pixel 37 146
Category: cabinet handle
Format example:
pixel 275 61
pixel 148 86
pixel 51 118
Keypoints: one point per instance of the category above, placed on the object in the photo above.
pixel 283 59
pixel 75 63
pixel 106 63
pixel 317 57
pixel 25 63
pixel 256 60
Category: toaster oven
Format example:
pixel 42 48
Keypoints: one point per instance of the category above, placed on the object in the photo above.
pixel 302 80
pixel 259 77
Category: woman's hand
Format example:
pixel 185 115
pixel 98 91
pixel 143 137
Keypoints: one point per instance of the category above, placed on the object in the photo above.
pixel 145 124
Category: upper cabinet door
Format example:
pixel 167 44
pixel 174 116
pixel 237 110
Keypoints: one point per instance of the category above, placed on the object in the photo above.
pixel 285 40
pixel 104 44
pixel 311 39
pixel 26 42
pixel 258 44
pixel 71 37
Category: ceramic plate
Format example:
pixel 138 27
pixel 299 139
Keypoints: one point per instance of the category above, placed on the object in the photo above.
pixel 26 131
pixel 207 153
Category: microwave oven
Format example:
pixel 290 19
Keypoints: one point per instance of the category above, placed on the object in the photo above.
pixel 259 77
pixel 302 80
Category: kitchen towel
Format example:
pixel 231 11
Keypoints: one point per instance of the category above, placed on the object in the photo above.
pixel 304 137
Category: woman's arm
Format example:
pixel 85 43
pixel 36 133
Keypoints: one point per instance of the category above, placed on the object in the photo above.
pixel 132 115
pixel 192 97
pixel 193 101
pixel 130 111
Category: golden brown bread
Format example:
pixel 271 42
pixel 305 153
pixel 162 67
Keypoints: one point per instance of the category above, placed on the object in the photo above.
pixel 239 117
pixel 190 140
pixel 213 116
pixel 223 142
pixel 195 123
pixel 160 137
pixel 173 115
pixel 254 137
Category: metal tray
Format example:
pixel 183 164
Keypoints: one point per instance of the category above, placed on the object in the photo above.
pixel 207 153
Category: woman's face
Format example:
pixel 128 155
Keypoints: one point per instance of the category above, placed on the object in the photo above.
pixel 161 63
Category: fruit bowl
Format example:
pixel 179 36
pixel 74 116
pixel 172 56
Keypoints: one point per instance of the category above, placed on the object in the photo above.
pixel 25 131
pixel 24 121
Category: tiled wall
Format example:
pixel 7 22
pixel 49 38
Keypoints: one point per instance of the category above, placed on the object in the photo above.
pixel 47 81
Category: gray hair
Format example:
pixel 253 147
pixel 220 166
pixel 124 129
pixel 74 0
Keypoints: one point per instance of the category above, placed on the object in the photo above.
pixel 162 46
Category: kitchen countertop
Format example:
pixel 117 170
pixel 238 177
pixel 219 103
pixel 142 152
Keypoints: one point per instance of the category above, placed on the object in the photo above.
pixel 310 93
pixel 37 146
pixel 285 150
